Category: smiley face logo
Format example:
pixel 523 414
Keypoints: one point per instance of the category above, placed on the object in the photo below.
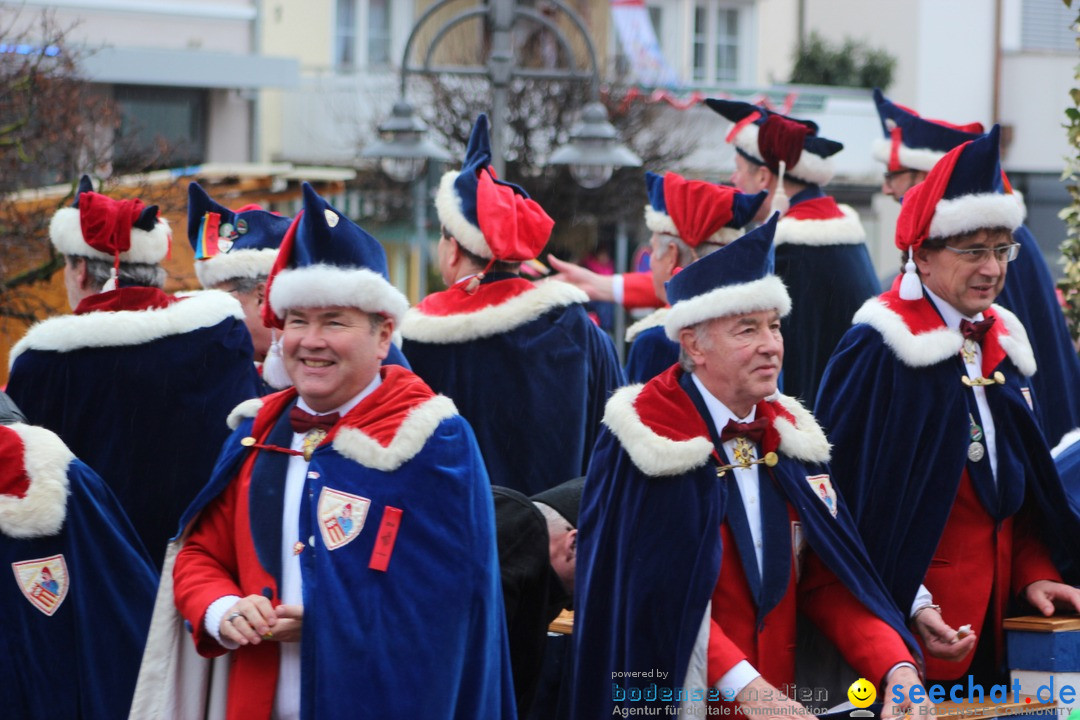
pixel 862 693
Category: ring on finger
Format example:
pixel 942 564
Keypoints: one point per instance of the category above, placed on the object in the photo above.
pixel 234 616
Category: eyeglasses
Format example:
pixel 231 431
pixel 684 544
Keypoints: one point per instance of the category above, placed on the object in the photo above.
pixel 891 175
pixel 1001 253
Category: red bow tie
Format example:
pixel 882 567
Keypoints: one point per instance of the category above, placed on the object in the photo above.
pixel 752 431
pixel 976 330
pixel 302 421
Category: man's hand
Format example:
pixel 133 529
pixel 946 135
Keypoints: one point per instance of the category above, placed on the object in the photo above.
pixel 1047 595
pixel 939 639
pixel 906 677
pixel 768 702
pixel 290 623
pixel 596 286
pixel 248 620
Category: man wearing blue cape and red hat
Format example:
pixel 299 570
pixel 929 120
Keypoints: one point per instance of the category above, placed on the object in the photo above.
pixel 77 604
pixel 709 521
pixel 936 448
pixel 689 219
pixel 820 251
pixel 344 550
pixel 234 252
pixel 138 383
pixel 523 362
pixel 910 149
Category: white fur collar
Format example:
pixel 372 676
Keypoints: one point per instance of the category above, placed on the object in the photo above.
pixel 129 327
pixel 653 319
pixel 935 346
pixel 353 443
pixel 657 455
pixel 491 320
pixel 1066 442
pixel 847 230
pixel 42 510
pixel 411 436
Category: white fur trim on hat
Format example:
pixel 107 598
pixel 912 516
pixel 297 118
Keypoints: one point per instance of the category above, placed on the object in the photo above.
pixel 448 207
pixel 653 319
pixel 410 438
pixel 42 510
pixel 968 213
pixel 65 333
pixel 659 222
pixel 252 264
pixel 847 230
pixel 768 293
pixel 923 159
pixel 492 320
pixel 147 248
pixel 652 453
pixel 811 168
pixel 319 286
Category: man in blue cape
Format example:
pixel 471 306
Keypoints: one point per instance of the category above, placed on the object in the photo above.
pixel 820 244
pixel 344 550
pixel 937 450
pixel 911 147
pixel 78 605
pixel 138 383
pixel 709 521
pixel 523 362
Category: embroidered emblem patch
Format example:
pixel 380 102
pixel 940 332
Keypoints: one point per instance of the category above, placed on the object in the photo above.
pixel 822 487
pixel 798 547
pixel 44 582
pixel 1026 392
pixel 341 517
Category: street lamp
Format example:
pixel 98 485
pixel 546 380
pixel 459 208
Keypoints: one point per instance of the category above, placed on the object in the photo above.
pixel 405 150
pixel 594 150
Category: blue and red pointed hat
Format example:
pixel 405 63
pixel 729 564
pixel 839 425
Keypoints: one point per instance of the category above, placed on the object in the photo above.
pixel 100 227
pixel 232 243
pixel 767 138
pixel 492 219
pixel 696 211
pixel 327 260
pixel 962 193
pixel 735 280
pixel 916 142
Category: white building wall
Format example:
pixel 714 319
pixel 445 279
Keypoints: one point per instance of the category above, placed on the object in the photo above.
pixel 1035 93
pixel 955 58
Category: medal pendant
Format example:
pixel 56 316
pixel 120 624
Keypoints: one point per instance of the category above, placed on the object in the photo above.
pixel 976 452
pixel 968 352
pixel 311 441
pixel 744 452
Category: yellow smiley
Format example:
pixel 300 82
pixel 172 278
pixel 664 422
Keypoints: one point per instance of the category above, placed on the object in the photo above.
pixel 862 693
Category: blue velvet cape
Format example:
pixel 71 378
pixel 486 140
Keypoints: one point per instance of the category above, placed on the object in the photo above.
pixel 82 661
pixel 900 437
pixel 650 354
pixel 148 417
pixel 426 638
pixel 649 555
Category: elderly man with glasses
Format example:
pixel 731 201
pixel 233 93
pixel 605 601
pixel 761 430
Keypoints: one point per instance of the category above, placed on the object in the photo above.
pixel 937 450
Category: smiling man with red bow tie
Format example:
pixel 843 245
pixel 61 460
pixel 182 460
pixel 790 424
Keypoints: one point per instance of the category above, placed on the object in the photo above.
pixel 344 550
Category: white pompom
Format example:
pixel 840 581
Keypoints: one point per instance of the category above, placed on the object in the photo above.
pixel 111 283
pixel 910 284
pixel 273 372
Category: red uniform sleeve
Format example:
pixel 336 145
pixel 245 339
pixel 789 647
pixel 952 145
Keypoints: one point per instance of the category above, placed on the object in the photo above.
pixel 206 567
pixel 638 291
pixel 723 653
pixel 868 643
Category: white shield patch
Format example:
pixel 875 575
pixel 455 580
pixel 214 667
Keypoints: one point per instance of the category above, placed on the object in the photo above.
pixel 822 487
pixel 341 517
pixel 44 582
